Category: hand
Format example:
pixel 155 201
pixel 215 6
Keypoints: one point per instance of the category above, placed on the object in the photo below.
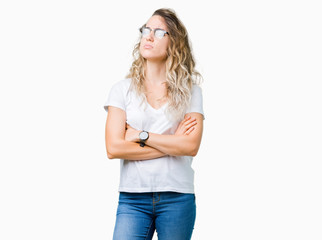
pixel 131 134
pixel 186 126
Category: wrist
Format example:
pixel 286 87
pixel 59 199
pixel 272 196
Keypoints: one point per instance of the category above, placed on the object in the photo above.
pixel 143 137
pixel 137 139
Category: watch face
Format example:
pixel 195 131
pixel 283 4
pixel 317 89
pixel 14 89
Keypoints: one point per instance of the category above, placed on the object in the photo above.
pixel 144 136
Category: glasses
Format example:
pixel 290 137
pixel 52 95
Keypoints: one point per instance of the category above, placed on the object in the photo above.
pixel 158 32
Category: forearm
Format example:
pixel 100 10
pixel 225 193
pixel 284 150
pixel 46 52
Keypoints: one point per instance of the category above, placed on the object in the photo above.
pixel 131 151
pixel 175 145
pixel 184 142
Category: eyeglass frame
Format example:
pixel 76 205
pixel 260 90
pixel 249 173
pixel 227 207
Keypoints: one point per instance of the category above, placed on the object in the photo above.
pixel 154 30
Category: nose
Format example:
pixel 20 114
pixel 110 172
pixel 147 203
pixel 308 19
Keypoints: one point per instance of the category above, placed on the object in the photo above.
pixel 150 37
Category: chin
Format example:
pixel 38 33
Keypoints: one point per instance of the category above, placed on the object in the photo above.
pixel 149 55
pixel 153 57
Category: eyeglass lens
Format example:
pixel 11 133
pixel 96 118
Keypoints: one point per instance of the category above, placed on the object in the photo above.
pixel 159 33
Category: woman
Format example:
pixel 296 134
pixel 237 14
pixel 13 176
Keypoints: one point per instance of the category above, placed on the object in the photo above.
pixel 154 125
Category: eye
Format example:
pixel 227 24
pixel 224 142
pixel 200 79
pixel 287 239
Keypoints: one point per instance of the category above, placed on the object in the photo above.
pixel 159 33
pixel 145 31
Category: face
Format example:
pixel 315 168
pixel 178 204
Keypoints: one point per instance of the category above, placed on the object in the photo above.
pixel 151 47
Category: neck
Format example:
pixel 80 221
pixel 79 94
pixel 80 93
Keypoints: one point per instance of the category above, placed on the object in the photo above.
pixel 155 72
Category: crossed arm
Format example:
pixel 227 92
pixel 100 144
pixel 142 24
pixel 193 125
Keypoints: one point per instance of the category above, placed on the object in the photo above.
pixel 123 143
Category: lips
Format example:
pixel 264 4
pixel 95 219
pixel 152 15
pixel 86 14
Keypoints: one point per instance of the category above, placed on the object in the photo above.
pixel 148 46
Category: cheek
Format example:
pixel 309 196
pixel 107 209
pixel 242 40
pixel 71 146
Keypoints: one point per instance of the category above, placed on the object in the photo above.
pixel 141 46
pixel 163 48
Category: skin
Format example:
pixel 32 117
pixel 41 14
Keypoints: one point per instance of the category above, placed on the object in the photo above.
pixel 122 140
pixel 154 49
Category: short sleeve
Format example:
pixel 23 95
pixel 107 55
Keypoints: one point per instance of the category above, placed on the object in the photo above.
pixel 196 103
pixel 116 97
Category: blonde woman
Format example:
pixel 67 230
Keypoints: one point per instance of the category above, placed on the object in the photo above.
pixel 154 125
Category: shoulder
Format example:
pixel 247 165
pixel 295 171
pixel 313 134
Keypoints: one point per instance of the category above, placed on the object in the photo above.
pixel 121 87
pixel 117 94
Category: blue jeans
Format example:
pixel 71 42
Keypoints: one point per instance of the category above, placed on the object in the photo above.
pixel 171 214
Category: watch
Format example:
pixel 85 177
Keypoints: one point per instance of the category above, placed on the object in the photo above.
pixel 143 136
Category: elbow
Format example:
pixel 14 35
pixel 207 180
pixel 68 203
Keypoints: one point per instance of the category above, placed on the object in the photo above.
pixel 193 150
pixel 111 152
pixel 193 154
pixel 110 155
pixel 191 147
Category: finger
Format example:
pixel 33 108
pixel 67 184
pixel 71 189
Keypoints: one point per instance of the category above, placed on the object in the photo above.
pixel 189 131
pixel 190 119
pixel 190 122
pixel 186 119
pixel 190 125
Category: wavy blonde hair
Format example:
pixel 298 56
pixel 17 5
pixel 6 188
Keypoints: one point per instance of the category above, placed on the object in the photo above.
pixel 180 67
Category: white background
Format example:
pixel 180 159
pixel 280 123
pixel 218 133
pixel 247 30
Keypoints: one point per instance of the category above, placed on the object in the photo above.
pixel 258 171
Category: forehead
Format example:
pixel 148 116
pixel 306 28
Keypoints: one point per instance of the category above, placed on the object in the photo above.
pixel 156 22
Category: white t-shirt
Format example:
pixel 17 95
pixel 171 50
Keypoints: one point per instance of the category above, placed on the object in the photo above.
pixel 168 173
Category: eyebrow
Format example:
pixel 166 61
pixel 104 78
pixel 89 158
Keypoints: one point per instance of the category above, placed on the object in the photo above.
pixel 155 28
